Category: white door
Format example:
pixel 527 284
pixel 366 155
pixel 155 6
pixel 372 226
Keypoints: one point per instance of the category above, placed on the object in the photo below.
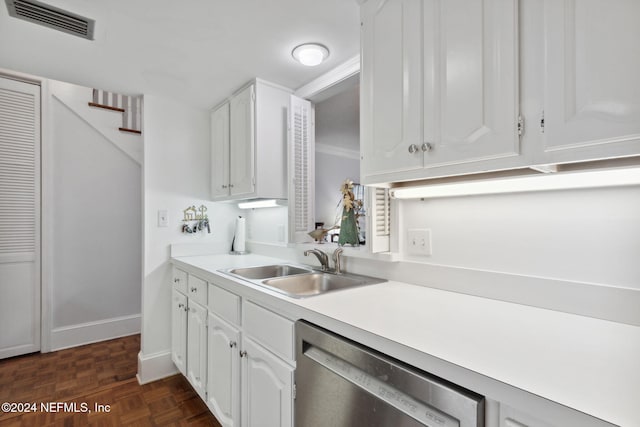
pixel 471 81
pixel 242 142
pixel 391 94
pixel 592 92
pixel 197 347
pixel 19 218
pixel 220 152
pixel 223 371
pixel 267 399
pixel 179 330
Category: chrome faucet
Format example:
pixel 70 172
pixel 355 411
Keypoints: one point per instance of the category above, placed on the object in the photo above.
pixel 322 257
pixel 336 260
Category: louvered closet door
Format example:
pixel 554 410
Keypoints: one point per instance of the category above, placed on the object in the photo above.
pixel 19 218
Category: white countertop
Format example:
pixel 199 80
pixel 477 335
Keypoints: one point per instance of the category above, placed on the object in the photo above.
pixel 587 364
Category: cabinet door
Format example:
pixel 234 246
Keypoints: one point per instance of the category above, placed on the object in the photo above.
pixel 592 93
pixel 220 152
pixel 391 87
pixel 242 139
pixel 267 398
pixel 223 371
pixel 179 330
pixel 197 347
pixel 470 81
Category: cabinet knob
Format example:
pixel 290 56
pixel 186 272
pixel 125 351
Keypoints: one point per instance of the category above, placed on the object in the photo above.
pixel 224 186
pixel 186 308
pixel 230 185
pixel 176 280
pixel 427 146
pixel 413 148
pixel 232 344
pixel 194 289
pixel 180 305
pixel 243 353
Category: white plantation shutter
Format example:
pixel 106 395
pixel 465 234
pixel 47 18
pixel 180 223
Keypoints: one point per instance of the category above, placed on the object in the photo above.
pixel 301 169
pixel 19 136
pixel 380 219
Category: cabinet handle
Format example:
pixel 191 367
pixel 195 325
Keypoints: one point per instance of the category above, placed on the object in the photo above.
pixel 224 186
pixel 180 305
pixel 230 185
pixel 243 353
pixel 232 344
pixel 186 308
pixel 427 146
pixel 194 289
pixel 176 280
pixel 413 148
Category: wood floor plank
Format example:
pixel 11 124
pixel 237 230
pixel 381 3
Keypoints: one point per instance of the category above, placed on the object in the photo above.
pixel 101 373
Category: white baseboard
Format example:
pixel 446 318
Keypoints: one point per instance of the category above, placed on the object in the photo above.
pixel 155 366
pixel 87 333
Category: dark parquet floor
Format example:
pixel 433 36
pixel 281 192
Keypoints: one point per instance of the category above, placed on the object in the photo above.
pixel 103 374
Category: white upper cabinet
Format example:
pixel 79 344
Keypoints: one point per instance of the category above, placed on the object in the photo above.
pixel 391 87
pixel 471 101
pixel 241 142
pixel 439 88
pixel 249 143
pixel 220 152
pixel 592 86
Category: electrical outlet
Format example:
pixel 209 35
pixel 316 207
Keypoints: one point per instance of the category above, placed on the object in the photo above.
pixel 419 241
pixel 163 218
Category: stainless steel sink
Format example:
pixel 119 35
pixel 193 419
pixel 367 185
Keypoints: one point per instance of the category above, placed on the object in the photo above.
pixel 299 282
pixel 306 285
pixel 267 271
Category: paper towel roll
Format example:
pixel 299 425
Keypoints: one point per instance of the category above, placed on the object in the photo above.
pixel 240 236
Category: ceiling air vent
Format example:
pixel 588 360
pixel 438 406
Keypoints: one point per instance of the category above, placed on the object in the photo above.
pixel 52 17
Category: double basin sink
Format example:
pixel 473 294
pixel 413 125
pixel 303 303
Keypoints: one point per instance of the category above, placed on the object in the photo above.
pixel 300 282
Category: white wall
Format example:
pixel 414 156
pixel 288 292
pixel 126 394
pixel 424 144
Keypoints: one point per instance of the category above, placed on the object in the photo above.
pixel 95 233
pixel 588 236
pixel 176 175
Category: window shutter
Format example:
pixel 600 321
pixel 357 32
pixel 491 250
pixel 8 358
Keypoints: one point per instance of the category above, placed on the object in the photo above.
pixel 380 223
pixel 19 193
pixel 301 169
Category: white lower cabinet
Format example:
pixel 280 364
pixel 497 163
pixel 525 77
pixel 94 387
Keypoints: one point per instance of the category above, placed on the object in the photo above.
pixel 267 395
pixel 223 371
pixel 179 330
pixel 197 347
pixel 189 329
pixel 510 417
pixel 249 362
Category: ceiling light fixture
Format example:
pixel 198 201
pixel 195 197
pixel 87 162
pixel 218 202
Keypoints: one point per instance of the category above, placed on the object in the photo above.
pixel 561 181
pixel 310 54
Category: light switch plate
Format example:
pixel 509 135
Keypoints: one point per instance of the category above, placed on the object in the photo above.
pixel 419 241
pixel 163 218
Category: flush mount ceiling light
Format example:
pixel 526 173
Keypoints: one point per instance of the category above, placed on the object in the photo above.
pixel 310 54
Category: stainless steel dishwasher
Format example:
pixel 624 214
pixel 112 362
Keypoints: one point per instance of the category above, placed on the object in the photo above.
pixel 340 383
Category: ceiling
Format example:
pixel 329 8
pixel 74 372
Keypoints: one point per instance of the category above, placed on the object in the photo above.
pixel 196 51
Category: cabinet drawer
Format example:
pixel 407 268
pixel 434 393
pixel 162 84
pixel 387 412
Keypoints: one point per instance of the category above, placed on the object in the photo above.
pixel 224 304
pixel 269 329
pixel 179 280
pixel 197 290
